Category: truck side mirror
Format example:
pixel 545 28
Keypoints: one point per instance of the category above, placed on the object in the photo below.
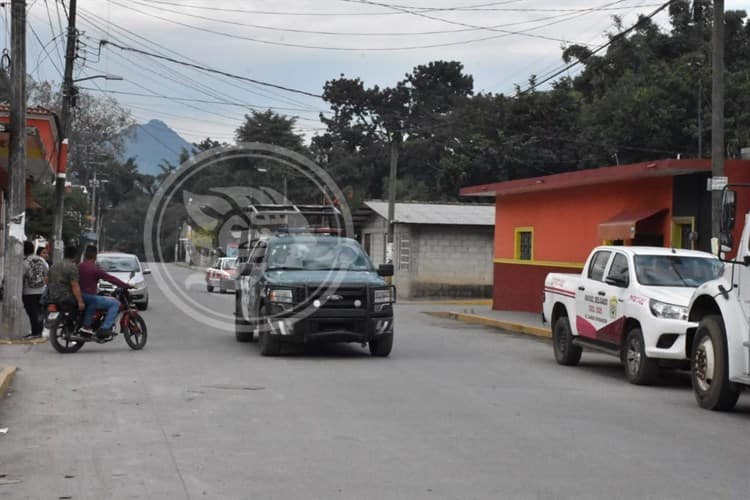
pixel 728 210
pixel 385 270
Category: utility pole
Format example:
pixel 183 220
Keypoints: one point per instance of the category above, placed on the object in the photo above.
pixel 12 304
pixel 93 202
pixel 67 98
pixel 700 115
pixel 717 111
pixel 395 143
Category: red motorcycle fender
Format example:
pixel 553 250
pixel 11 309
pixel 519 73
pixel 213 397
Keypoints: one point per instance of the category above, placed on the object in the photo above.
pixel 125 318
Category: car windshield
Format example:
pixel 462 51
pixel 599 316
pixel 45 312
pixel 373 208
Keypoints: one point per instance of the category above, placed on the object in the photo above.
pixel 120 264
pixel 318 254
pixel 227 264
pixel 676 270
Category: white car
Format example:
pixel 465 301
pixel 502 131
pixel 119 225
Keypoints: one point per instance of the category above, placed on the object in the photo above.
pixel 126 267
pixel 630 302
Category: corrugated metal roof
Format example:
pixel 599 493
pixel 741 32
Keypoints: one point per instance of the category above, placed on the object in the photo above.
pixel 463 214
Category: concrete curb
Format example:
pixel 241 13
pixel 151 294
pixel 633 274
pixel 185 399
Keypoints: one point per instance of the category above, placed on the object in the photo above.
pixel 6 377
pixel 449 302
pixel 23 341
pixel 492 322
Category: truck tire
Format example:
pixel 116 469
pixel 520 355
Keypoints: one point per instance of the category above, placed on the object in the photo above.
pixel 243 331
pixel 209 288
pixel 381 345
pixel 566 353
pixel 709 367
pixel 639 368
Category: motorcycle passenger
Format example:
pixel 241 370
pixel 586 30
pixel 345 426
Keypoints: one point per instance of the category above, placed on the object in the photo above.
pixel 89 274
pixel 62 281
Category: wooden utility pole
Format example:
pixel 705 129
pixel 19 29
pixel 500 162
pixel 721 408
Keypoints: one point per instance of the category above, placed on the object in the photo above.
pixel 12 303
pixel 717 111
pixel 67 98
pixel 392 184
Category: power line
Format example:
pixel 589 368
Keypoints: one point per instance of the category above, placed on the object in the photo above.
pixel 44 48
pixel 209 70
pixel 353 49
pixel 544 71
pixel 459 23
pixel 317 14
pixel 52 33
pixel 202 101
pixel 612 40
pixel 352 33
pixel 136 38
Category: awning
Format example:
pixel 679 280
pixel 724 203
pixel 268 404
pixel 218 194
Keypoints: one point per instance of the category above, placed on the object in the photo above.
pixel 623 226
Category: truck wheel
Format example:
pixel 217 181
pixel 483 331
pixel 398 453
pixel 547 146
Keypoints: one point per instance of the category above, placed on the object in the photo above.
pixel 562 342
pixel 243 331
pixel 639 368
pixel 381 345
pixel 209 288
pixel 709 368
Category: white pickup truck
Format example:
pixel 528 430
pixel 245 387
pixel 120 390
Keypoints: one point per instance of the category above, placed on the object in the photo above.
pixel 720 345
pixel 630 302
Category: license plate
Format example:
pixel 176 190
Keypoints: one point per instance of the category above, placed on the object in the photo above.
pixel 53 315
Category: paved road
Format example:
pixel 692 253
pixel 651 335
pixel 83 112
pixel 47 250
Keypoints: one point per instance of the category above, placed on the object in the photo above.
pixel 456 412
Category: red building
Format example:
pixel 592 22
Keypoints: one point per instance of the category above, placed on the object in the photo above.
pixel 551 223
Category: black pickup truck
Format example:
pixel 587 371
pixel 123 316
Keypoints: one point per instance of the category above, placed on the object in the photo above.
pixel 305 288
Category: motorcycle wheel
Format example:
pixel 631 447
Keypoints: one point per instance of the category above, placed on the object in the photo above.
pixel 59 337
pixel 135 332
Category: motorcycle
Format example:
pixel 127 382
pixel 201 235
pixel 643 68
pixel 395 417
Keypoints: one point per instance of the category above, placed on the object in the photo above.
pixel 64 322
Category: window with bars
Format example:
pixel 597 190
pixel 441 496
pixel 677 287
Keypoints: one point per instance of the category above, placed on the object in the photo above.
pixel 404 251
pixel 524 244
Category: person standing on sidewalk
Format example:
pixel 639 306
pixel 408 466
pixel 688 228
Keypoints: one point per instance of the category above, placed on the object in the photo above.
pixel 35 271
pixel 89 274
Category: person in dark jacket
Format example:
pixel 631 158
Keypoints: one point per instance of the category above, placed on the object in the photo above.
pixel 89 274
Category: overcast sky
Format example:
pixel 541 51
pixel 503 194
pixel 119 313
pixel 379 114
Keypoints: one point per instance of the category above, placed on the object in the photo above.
pixel 300 44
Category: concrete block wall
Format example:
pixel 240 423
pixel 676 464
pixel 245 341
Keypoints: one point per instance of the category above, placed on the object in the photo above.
pixel 455 255
pixel 444 260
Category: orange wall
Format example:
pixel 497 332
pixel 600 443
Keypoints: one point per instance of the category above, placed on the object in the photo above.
pixel 566 221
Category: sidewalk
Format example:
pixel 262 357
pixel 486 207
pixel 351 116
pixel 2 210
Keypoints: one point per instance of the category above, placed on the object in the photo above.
pixel 482 314
pixel 6 377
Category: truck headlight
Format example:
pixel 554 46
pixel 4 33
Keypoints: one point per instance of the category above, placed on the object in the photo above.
pixel 383 296
pixel 280 296
pixel 667 311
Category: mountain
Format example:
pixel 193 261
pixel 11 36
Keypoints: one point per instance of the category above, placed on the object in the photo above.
pixel 151 143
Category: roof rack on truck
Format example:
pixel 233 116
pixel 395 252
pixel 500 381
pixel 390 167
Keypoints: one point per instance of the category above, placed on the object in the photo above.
pixel 288 219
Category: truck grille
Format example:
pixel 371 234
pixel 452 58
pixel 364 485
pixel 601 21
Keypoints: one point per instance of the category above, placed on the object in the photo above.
pixel 341 298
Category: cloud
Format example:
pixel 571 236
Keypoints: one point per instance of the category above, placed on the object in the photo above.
pixel 496 64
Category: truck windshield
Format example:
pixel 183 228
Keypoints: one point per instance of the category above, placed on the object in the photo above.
pixel 317 254
pixel 676 270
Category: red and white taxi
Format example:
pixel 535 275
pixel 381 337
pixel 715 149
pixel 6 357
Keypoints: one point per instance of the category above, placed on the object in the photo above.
pixel 222 275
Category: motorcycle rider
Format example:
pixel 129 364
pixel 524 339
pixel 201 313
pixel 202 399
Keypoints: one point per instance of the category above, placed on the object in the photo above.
pixel 89 274
pixel 62 281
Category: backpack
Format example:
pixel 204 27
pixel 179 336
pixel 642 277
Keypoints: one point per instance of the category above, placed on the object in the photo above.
pixel 34 271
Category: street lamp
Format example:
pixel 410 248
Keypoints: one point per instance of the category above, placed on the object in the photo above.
pixel 105 77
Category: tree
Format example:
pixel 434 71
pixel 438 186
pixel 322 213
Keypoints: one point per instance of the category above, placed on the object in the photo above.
pixel 270 128
pixel 98 127
pixel 411 114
